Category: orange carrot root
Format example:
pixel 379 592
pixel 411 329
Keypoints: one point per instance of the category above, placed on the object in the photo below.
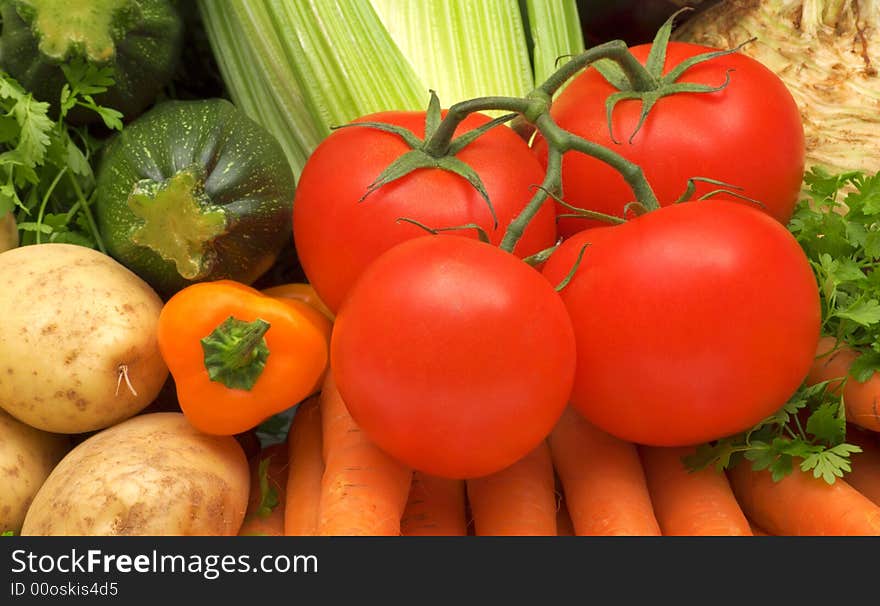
pixel 564 525
pixel 305 470
pixel 801 505
pixel 699 503
pixel 603 480
pixel 865 474
pixel 364 490
pixel 519 500
pixel 758 531
pixel 862 400
pixel 436 507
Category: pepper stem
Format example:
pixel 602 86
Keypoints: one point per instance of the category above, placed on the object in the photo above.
pixel 236 352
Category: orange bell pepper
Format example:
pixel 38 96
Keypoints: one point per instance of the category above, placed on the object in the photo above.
pixel 300 291
pixel 239 356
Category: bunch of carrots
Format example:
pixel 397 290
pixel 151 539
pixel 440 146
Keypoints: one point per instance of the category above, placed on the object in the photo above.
pixel 332 481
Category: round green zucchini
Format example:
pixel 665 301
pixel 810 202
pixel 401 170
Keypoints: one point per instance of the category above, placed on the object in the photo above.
pixel 194 191
pixel 140 39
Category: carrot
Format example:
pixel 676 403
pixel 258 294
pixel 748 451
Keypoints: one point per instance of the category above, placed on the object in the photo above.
pixel 862 400
pixel 305 471
pixel 519 500
pixel 686 503
pixel 865 474
pixel 801 505
pixel 364 490
pixel 602 479
pixel 564 525
pixel 266 503
pixel 436 507
pixel 758 531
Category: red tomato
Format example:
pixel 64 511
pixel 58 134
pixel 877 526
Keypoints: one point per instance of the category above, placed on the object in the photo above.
pixel 337 235
pixel 749 135
pixel 454 356
pixel 692 322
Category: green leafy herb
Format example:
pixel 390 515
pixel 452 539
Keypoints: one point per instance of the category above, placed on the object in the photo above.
pixel 46 176
pixel 838 227
pixel 268 493
pixel 274 430
pixel 7 533
pixel 809 431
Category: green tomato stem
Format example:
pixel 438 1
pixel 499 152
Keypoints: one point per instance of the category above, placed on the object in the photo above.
pixel 631 172
pixel 551 183
pixel 438 144
pixel 534 109
pixel 616 50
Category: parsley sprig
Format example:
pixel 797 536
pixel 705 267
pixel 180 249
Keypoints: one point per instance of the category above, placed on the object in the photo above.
pixel 837 225
pixel 46 163
pixel 809 429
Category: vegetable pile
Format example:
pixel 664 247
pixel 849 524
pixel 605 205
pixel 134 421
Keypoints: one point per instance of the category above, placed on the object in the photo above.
pixel 424 272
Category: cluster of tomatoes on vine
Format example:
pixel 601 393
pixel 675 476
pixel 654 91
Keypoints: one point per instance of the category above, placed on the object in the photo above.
pixel 483 281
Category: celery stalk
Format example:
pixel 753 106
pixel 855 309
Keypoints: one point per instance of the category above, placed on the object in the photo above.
pixel 462 49
pixel 300 67
pixel 254 74
pixel 555 32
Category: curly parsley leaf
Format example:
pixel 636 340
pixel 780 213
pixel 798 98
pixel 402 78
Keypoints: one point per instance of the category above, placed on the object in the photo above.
pixel 838 227
pixel 808 431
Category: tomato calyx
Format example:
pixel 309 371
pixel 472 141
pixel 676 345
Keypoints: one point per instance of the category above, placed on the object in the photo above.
pixel 574 267
pixel 724 188
pixel 428 153
pixel 647 83
pixel 583 213
pixel 482 236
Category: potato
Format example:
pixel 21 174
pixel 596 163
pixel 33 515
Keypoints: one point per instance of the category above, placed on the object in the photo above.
pixel 27 456
pixel 153 474
pixel 78 347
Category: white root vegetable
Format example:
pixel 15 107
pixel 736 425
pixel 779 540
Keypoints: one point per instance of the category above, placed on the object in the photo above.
pixel 826 52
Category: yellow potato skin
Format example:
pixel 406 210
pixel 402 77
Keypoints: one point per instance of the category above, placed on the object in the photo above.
pixel 74 322
pixel 152 475
pixel 27 457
